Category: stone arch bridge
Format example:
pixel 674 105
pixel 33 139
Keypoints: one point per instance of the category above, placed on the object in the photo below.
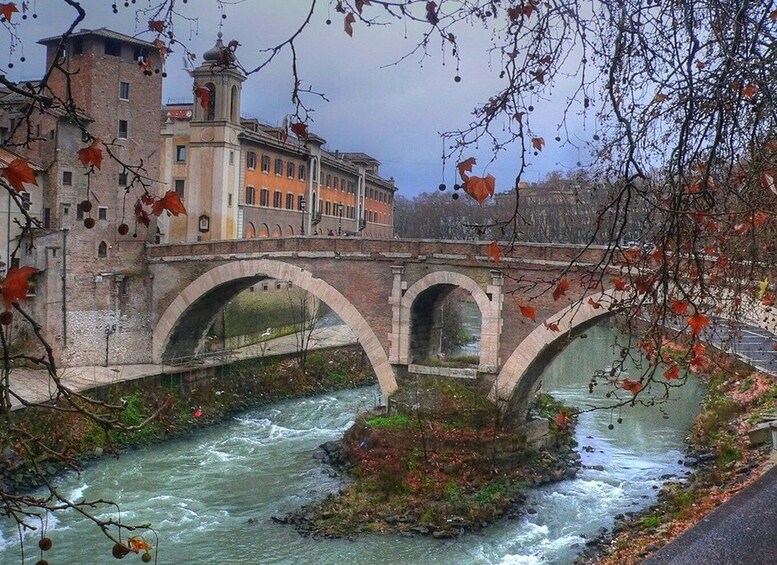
pixel 390 293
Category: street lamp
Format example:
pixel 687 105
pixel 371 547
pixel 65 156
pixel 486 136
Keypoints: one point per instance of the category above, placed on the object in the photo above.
pixel 340 219
pixel 302 214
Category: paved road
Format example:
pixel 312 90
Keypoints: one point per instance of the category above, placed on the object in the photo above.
pixel 35 386
pixel 742 531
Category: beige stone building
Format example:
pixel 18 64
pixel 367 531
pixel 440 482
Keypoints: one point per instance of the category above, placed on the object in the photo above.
pixel 240 178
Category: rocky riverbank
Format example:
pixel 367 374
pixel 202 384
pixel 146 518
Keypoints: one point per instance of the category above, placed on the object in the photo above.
pixel 182 406
pixel 720 461
pixel 439 472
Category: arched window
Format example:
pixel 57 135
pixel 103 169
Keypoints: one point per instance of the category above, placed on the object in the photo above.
pixel 289 230
pixel 233 106
pixel 250 231
pixel 210 112
pixel 264 231
pixel 102 249
pixel 276 232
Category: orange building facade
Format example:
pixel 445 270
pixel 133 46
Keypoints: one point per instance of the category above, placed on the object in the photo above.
pixel 240 178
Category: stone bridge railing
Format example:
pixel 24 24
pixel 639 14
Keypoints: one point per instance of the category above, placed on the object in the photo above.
pixel 384 249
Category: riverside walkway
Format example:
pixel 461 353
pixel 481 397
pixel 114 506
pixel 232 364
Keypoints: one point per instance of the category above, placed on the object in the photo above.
pixel 35 386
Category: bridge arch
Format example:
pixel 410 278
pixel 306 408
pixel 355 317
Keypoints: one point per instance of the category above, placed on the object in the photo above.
pixel 489 313
pixel 520 373
pixel 205 296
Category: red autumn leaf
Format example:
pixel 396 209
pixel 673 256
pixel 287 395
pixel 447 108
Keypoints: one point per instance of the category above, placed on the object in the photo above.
pixel 170 202
pixel 773 15
pixel 203 93
pixel 514 13
pixel 698 322
pixel 494 252
pixel 17 173
pixel 7 10
pixel 300 130
pixel 561 289
pixel 528 9
pixel 552 326
pixel 767 300
pixel 699 348
pixel 750 91
pixel 431 13
pixel 348 23
pixel 361 3
pixel 466 167
pixel 92 155
pixel 672 372
pixel 528 312
pixel 619 284
pixel 760 218
pixel 141 215
pixel 147 199
pixel 138 544
pixel 696 364
pixel 538 143
pixel 721 262
pixel 561 419
pixel 679 307
pixel 480 188
pixel 648 348
pixel 595 304
pixel 539 76
pixel 16 284
pixel 339 7
pixel 657 254
pixel 632 255
pixel 631 385
pixel 644 284
pixel 157 26
pixel 163 49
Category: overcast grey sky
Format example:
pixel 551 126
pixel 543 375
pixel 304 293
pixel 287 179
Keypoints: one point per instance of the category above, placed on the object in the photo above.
pixel 392 112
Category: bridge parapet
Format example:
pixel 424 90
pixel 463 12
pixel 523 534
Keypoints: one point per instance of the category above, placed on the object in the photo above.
pixel 471 252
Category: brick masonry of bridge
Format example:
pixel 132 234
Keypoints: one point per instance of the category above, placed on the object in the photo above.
pixel 372 285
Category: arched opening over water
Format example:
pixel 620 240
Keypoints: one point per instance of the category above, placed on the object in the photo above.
pixel 182 328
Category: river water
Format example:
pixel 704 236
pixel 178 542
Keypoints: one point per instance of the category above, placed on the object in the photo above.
pixel 201 491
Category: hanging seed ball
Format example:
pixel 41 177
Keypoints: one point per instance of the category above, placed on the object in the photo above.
pixel 44 543
pixel 41 562
pixel 123 229
pixel 6 318
pixel 88 223
pixel 610 427
pixel 596 137
pixel 119 551
pixel 86 206
pixel 620 420
pixel 329 22
pixel 441 187
pixel 457 78
pixel 146 557
pixel 455 196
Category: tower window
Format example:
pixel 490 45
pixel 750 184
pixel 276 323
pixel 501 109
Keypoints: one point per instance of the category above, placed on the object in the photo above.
pixel 102 213
pixel 180 153
pixel 67 178
pixel 180 188
pixel 123 129
pixel 102 249
pixel 113 47
pixel 124 90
